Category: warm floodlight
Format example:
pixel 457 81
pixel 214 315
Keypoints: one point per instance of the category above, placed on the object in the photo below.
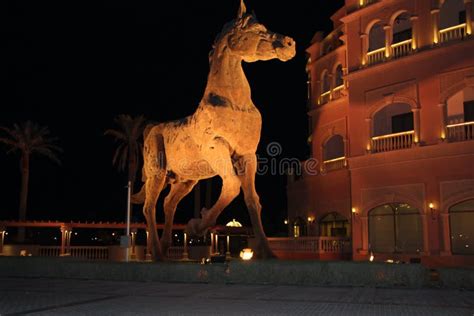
pixel 246 254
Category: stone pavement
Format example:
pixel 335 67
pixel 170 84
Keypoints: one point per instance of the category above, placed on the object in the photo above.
pixel 35 296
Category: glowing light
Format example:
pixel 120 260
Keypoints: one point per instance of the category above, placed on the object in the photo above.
pixel 371 258
pixel 389 261
pixel 310 219
pixel 286 222
pixel 233 223
pixel 354 210
pixel 246 254
pixel 431 205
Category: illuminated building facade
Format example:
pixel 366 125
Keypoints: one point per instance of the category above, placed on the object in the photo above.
pixel 391 107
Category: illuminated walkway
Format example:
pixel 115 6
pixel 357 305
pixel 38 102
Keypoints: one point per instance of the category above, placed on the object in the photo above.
pixel 81 297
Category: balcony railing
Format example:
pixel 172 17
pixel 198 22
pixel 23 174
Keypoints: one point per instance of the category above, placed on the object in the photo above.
pixel 402 48
pixel 452 33
pixel 335 164
pixel 82 252
pixel 460 132
pixel 336 92
pixel 311 244
pixel 325 97
pixel 392 141
pixel 376 56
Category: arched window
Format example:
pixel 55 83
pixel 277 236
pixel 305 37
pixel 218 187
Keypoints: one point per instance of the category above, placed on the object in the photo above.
pixel 334 148
pixel 452 13
pixel 393 118
pixel 339 80
pixel 452 20
pixel 334 225
pixel 460 116
pixel 395 228
pixel 461 219
pixel 376 37
pixel 299 227
pixel 325 88
pixel 402 30
pixel 325 83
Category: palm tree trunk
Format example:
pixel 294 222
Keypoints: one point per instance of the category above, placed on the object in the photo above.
pixel 25 175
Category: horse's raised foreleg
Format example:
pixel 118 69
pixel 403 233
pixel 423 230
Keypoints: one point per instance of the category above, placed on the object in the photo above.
pixel 230 190
pixel 248 165
pixel 177 192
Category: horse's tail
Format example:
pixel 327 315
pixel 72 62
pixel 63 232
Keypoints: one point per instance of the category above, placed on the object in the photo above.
pixel 139 198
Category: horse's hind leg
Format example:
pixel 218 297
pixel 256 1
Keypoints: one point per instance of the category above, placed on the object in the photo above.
pixel 153 186
pixel 154 168
pixel 177 192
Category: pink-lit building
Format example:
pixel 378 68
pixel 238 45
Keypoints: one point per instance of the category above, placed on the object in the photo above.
pixel 391 107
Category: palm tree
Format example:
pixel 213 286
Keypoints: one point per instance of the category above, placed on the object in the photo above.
pixel 28 138
pixel 128 151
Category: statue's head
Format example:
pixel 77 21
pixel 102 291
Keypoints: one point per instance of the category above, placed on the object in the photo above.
pixel 252 41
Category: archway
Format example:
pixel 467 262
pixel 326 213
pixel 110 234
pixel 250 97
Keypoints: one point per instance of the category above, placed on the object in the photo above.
pixel 334 225
pixel 461 221
pixel 395 228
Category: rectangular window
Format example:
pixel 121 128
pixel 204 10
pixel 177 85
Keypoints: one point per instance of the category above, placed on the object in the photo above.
pixel 402 36
pixel 469 111
pixel 462 17
pixel 402 122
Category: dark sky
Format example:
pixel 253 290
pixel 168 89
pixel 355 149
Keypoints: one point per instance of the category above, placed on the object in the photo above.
pixel 75 65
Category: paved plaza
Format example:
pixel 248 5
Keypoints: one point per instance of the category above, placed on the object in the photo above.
pixel 21 296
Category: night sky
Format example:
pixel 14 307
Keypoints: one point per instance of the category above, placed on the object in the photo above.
pixel 75 65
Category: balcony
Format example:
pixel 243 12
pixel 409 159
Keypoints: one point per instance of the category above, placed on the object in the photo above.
pixel 336 92
pixel 334 164
pixel 325 97
pixel 392 142
pixel 460 132
pixel 376 56
pixel 402 48
pixel 452 33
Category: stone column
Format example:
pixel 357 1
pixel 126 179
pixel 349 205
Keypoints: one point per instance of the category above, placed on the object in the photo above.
pixel 148 249
pixel 444 120
pixel 64 234
pixel 212 243
pixel 332 84
pixel 68 241
pixel 368 122
pixel 365 48
pixel 185 247
pixel 2 239
pixel 319 91
pixel 426 239
pixel 416 125
pixel 346 150
pixel 364 226
pixel 227 253
pixel 446 250
pixel 133 255
pixel 468 6
pixel 388 40
pixel 414 32
pixel 435 25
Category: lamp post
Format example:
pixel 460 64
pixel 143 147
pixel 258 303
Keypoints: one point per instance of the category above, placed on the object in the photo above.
pixel 129 193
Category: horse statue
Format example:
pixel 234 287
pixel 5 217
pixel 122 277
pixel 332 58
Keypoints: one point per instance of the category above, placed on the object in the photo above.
pixel 220 138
